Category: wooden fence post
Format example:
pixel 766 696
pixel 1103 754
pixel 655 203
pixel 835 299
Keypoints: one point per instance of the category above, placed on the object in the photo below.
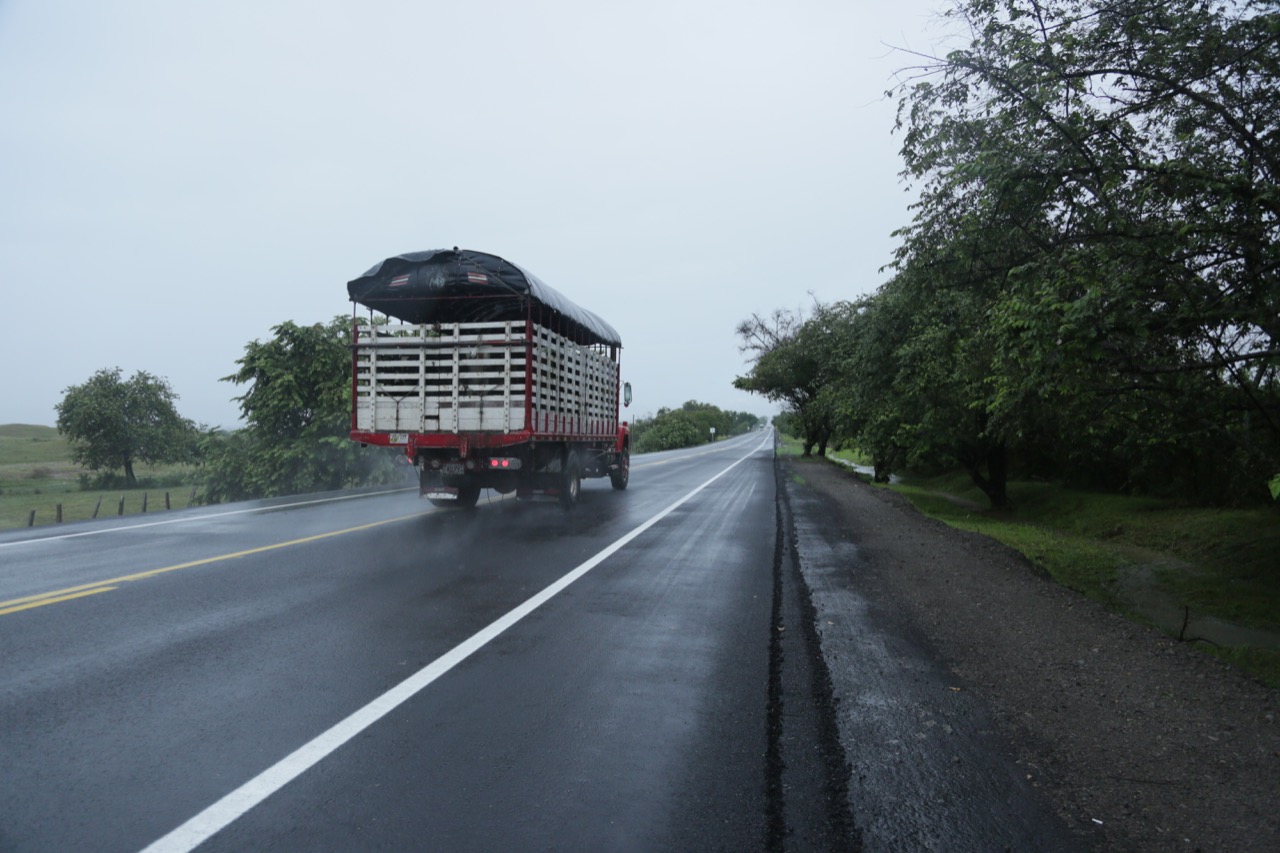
pixel 166 501
pixel 58 518
pixel 121 510
pixel 97 506
pixel 31 519
pixel 144 501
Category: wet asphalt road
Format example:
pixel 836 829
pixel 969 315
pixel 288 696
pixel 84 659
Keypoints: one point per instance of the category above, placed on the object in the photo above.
pixel 364 672
pixel 171 661
pixel 930 768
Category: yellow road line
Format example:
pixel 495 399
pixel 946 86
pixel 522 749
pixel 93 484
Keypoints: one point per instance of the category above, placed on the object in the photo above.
pixel 42 602
pixel 72 592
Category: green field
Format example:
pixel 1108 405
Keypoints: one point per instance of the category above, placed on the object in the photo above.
pixel 1214 571
pixel 36 475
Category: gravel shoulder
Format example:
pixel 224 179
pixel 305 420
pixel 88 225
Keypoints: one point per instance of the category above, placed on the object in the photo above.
pixel 1138 742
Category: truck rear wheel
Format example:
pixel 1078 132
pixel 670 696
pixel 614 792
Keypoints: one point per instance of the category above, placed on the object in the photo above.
pixel 570 481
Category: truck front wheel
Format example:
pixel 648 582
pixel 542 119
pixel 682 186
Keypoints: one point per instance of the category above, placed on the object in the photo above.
pixel 570 481
pixel 620 476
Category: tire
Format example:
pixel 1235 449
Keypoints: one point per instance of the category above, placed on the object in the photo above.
pixel 570 481
pixel 620 477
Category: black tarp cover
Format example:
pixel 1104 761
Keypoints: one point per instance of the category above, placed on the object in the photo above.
pixel 462 286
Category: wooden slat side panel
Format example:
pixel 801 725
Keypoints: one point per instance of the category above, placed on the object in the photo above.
pixel 421 378
pixel 466 377
pixel 575 386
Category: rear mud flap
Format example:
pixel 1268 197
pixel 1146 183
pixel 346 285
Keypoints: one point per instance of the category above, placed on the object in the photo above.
pixel 440 493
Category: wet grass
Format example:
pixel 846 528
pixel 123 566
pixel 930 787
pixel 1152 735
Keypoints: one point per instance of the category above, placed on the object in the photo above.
pixel 1122 550
pixel 788 446
pixel 852 455
pixel 1127 552
pixel 31 445
pixel 36 474
pixel 1074 560
pixel 1223 561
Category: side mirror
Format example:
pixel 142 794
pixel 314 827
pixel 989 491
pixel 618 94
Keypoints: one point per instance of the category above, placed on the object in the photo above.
pixel 626 393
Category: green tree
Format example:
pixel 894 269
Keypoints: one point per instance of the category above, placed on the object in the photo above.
pixel 786 422
pixel 869 411
pixel 706 417
pixel 1100 177
pixel 668 430
pixel 909 383
pixel 297 415
pixel 793 361
pixel 113 423
pixel 688 426
pixel 742 422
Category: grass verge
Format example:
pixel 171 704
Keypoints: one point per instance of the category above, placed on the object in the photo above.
pixel 37 476
pixel 1154 561
pixel 1203 574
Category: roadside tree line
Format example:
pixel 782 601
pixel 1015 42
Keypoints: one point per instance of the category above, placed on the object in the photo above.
pixel 296 410
pixel 1089 289
pixel 687 426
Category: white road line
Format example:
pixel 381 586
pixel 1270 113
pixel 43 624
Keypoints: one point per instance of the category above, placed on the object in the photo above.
pixel 204 517
pixel 203 826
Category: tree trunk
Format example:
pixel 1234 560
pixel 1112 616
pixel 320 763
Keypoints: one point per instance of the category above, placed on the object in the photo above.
pixel 996 484
pixel 129 480
pixel 998 468
pixel 882 467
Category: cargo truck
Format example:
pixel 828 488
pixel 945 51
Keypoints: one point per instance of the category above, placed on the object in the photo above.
pixel 486 377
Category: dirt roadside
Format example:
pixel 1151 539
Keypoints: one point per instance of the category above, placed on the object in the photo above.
pixel 1140 741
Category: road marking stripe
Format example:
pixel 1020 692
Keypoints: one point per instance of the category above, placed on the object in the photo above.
pixel 204 517
pixel 204 825
pixel 683 456
pixel 71 592
pixel 43 601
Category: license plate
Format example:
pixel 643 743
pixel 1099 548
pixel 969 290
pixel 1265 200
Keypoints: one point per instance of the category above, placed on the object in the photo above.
pixel 399 438
pixel 454 468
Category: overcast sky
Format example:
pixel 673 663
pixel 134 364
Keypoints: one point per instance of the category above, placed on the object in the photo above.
pixel 177 178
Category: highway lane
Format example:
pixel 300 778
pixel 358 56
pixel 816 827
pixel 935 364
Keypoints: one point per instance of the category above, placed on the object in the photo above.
pixel 627 711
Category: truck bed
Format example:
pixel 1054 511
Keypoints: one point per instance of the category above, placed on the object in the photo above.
pixel 511 380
